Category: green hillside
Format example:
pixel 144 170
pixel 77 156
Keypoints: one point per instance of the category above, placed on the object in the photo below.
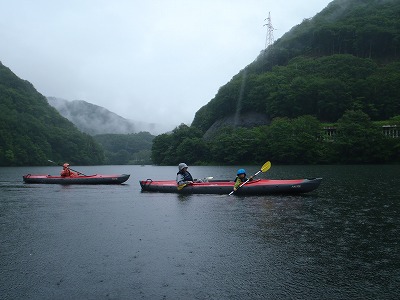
pixel 346 57
pixel 340 67
pixel 31 131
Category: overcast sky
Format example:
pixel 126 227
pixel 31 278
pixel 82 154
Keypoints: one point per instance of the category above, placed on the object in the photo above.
pixel 155 61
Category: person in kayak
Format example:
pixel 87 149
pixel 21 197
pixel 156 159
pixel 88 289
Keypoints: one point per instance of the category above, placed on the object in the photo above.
pixel 66 171
pixel 183 177
pixel 240 178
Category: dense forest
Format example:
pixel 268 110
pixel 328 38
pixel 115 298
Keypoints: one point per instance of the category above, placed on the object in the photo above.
pixel 323 87
pixel 31 131
pixel 126 149
pixel 340 67
pixel 299 140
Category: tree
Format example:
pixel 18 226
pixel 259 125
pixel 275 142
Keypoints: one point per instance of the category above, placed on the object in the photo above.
pixel 293 141
pixel 162 149
pixel 192 150
pixel 358 140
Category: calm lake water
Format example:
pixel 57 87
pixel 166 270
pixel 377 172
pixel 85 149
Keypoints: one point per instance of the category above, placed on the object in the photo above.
pixel 341 241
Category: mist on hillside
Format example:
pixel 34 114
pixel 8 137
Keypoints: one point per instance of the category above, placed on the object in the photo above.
pixel 93 119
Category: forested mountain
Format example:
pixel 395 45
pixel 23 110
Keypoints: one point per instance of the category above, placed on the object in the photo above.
pixel 345 57
pixel 32 131
pixel 340 67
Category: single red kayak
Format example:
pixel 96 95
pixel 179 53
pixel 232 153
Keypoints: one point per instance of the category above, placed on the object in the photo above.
pixel 87 179
pixel 255 187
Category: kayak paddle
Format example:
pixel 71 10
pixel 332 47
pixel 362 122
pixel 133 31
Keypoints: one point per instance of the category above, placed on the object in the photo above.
pixel 263 169
pixel 68 167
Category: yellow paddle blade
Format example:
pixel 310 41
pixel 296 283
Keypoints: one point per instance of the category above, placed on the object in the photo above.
pixel 181 186
pixel 266 166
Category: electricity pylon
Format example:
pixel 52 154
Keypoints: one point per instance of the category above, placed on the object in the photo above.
pixel 270 32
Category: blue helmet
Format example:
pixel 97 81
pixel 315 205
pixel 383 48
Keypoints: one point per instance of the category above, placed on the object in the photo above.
pixel 241 171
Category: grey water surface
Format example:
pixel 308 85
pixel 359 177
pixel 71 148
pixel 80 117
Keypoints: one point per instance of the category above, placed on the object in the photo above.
pixel 340 241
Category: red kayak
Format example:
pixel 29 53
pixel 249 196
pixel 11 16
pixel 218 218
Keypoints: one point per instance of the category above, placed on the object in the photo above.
pixel 255 187
pixel 81 179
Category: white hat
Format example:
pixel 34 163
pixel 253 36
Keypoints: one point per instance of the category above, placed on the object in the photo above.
pixel 181 166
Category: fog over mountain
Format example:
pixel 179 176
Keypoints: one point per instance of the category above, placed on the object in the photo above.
pixel 93 119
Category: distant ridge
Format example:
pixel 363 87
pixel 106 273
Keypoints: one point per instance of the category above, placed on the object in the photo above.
pixel 93 119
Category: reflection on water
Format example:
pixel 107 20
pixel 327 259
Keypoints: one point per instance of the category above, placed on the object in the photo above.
pixel 114 242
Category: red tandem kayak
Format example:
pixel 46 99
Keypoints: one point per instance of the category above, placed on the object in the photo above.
pixel 87 179
pixel 255 187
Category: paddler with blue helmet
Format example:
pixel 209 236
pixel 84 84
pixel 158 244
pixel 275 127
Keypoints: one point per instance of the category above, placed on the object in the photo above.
pixel 240 178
